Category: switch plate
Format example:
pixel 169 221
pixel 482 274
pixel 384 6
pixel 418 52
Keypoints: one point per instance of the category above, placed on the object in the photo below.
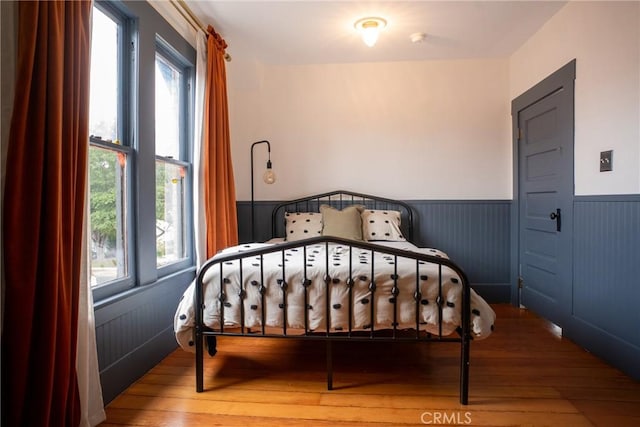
pixel 606 161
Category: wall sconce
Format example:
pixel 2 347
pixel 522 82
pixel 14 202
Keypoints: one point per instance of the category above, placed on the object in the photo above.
pixel 269 177
pixel 370 29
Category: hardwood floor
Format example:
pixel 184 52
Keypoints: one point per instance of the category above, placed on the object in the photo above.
pixel 524 374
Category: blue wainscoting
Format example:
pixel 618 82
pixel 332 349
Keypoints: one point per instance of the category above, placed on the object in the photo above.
pixel 134 331
pixel 475 234
pixel 606 287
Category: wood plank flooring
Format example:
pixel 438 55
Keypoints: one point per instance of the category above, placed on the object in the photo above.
pixel 525 374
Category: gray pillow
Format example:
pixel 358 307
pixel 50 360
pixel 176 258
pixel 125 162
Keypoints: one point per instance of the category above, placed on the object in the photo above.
pixel 345 223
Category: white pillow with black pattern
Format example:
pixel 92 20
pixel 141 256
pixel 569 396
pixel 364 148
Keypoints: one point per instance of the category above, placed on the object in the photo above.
pixel 382 225
pixel 302 225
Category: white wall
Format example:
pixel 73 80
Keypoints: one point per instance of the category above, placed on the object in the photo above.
pixel 440 129
pixel 604 37
pixel 411 130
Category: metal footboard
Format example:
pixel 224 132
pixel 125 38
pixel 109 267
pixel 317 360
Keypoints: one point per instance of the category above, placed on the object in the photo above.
pixel 371 333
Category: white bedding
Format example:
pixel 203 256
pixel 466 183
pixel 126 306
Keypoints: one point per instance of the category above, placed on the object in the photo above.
pixel 482 316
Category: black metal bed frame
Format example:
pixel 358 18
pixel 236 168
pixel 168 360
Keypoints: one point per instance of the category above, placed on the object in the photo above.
pixel 340 199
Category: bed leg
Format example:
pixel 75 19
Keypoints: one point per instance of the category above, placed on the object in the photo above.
pixel 199 362
pixel 464 370
pixel 329 367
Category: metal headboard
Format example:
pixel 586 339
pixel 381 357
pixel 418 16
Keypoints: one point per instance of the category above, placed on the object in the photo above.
pixel 340 199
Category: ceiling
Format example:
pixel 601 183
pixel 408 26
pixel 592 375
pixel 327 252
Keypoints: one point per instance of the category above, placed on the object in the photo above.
pixel 317 32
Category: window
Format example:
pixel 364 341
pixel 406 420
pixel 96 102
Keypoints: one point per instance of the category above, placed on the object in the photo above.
pixel 172 167
pixel 109 170
pixel 105 76
pixel 139 155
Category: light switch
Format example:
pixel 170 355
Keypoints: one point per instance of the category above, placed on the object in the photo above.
pixel 606 161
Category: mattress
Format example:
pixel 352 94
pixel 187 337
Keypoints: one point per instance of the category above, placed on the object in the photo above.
pixel 282 278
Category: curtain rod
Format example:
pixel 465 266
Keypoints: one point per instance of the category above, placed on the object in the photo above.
pixel 192 19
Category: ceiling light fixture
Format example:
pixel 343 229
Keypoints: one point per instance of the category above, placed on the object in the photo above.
pixel 370 29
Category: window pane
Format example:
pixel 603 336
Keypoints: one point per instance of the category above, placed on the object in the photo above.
pixel 168 85
pixel 170 212
pixel 103 109
pixel 108 207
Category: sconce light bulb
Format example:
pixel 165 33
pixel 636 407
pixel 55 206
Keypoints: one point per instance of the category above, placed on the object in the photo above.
pixel 269 177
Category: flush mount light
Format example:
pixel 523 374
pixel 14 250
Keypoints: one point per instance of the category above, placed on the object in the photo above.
pixel 370 29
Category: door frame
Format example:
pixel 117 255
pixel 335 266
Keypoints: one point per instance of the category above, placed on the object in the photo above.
pixel 562 78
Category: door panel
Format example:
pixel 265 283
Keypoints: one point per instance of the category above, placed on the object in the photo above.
pixel 541 165
pixel 545 291
pixel 545 201
pixel 538 207
pixel 541 251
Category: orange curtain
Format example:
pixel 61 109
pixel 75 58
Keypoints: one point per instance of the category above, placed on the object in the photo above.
pixel 43 214
pixel 219 188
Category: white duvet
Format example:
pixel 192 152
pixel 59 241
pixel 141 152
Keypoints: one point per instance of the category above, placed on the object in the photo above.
pixel 388 270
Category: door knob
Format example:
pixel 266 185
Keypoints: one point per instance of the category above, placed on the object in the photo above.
pixel 557 216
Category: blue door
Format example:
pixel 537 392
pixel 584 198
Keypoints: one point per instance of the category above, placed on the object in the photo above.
pixel 544 119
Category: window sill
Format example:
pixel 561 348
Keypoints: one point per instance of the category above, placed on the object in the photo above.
pixel 183 276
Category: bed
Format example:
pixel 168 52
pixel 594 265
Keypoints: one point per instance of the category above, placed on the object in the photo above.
pixel 340 266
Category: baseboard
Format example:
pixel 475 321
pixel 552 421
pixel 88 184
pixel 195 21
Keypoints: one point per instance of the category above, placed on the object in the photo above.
pixel 610 348
pixel 493 293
